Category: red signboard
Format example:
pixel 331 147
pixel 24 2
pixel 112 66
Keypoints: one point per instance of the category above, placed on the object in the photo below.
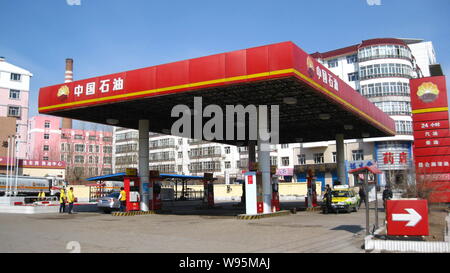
pixel 428 93
pixel 407 217
pixel 427 134
pixel 431 132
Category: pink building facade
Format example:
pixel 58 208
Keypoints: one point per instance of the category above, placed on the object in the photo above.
pixel 87 153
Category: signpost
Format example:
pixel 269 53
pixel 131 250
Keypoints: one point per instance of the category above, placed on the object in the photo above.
pixel 407 217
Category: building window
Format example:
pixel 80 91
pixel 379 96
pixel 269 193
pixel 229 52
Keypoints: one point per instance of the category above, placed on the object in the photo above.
pixel 62 157
pixel 14 94
pixel 46 148
pixel 180 141
pixel 180 154
pixel 227 150
pixel 385 70
pixel 352 59
pixel 107 149
pixel 107 160
pixel 285 161
pixel 47 124
pixel 13 111
pixel 395 107
pixel 46 136
pixel 403 127
pixel 79 158
pixel 353 76
pixel 334 157
pixel 301 159
pixel 79 147
pixel 78 137
pixel 91 159
pixel 332 63
pixel 284 146
pixel 318 158
pixel 358 155
pixel 15 77
pixel 107 139
pixel 180 168
pixel 45 158
pixel 273 161
pixel 227 164
pixel 97 149
pixel 94 138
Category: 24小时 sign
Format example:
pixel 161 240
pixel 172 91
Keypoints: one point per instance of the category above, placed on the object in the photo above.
pixel 407 217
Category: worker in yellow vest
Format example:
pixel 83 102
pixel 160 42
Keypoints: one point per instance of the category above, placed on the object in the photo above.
pixel 41 195
pixel 70 200
pixel 123 199
pixel 62 201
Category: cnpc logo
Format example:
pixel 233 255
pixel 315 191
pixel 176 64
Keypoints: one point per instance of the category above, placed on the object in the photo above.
pixel 213 129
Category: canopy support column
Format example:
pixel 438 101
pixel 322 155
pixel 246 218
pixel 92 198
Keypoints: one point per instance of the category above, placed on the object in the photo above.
pixel 143 163
pixel 340 159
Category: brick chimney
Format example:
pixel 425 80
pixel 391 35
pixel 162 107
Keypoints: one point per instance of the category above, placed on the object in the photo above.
pixel 68 77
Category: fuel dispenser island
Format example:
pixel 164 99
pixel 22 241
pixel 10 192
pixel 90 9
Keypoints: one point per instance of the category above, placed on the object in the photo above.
pixel 131 185
pixel 154 189
pixel 254 192
pixel 311 198
pixel 208 190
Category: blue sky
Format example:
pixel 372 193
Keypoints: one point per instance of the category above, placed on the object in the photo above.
pixel 107 36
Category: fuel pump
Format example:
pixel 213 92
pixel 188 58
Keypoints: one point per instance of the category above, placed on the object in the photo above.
pixel 311 199
pixel 208 189
pixel 253 193
pixel 131 187
pixel 275 194
pixel 154 188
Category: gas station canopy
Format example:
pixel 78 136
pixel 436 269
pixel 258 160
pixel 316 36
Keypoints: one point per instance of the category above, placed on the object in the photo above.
pixel 120 176
pixel 314 104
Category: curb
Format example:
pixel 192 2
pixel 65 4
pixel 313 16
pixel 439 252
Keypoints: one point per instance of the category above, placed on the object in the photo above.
pixel 133 213
pixel 266 215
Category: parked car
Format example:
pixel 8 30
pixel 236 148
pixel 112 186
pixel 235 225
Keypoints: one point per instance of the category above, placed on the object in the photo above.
pixel 109 203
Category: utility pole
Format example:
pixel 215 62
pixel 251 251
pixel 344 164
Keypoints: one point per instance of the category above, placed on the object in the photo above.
pixel 366 189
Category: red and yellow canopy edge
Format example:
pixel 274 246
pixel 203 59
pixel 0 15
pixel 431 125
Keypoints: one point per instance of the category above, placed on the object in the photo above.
pixel 248 65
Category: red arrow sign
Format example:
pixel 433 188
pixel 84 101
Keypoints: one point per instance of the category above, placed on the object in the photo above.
pixel 407 217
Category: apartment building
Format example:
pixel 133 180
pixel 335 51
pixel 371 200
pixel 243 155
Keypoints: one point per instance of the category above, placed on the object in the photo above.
pixel 14 96
pixel 86 153
pixel 380 69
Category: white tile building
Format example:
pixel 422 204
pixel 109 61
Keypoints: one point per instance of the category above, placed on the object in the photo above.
pixel 14 95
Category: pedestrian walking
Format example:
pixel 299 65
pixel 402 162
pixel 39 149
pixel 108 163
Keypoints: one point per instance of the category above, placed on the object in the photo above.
pixel 70 199
pixel 362 196
pixel 327 196
pixel 387 195
pixel 62 201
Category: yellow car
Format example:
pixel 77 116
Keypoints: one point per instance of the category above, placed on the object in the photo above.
pixel 343 198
